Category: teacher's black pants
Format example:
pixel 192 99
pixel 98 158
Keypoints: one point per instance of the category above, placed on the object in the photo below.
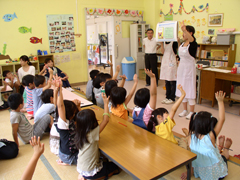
pixel 151 64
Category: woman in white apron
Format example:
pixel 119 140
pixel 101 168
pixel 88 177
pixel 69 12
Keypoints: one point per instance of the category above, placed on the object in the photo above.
pixel 186 73
pixel 169 70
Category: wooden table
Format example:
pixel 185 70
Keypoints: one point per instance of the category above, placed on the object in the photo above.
pixel 138 152
pixel 213 81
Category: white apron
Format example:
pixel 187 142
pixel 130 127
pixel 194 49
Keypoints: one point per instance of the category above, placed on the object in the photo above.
pixel 186 73
pixel 169 64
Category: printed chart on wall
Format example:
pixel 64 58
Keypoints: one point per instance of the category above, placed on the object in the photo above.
pixel 61 33
pixel 167 31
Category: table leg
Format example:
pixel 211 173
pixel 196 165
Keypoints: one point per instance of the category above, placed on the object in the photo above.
pixel 189 171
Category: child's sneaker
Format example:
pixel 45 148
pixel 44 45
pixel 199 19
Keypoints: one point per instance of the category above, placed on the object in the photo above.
pixel 189 115
pixel 184 113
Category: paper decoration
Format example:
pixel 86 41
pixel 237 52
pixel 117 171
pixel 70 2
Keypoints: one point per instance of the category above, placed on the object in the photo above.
pixel 4 48
pixel 193 19
pixel 24 30
pixel 76 56
pixel 61 33
pixel 9 17
pixel 204 22
pixel 113 12
pixel 197 34
pixel 167 31
pixel 198 23
pixel 189 22
pixel 181 8
pixel 35 40
pixel 202 34
pixel 168 18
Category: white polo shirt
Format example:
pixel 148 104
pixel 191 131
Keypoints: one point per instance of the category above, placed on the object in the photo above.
pixel 150 45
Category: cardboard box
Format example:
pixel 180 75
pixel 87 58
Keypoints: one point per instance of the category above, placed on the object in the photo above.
pixel 141 74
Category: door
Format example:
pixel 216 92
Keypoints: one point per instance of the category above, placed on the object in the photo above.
pixel 121 28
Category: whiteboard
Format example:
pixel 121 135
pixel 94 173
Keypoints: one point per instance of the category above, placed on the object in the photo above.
pixel 167 31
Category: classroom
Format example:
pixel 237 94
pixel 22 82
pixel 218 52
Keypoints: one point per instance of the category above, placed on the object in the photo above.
pixel 130 89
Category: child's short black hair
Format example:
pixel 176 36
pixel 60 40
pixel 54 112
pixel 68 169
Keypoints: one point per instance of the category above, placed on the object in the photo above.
pixel 142 97
pixel 93 74
pixel 109 85
pixel 101 77
pixel 5 73
pixel 117 96
pixel 47 60
pixel 14 100
pixel 26 80
pixel 38 80
pixel 46 95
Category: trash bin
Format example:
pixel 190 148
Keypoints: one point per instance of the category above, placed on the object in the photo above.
pixel 129 67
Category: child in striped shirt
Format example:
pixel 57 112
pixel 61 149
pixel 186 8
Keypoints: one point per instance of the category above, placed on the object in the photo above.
pixel 27 81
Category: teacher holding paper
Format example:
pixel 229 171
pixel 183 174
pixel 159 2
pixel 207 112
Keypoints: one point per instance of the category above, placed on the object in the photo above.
pixel 150 45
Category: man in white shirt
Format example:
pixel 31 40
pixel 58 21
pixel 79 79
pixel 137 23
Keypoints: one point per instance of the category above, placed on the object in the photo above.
pixel 150 45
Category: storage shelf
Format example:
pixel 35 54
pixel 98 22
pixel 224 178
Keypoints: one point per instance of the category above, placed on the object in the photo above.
pixel 212 59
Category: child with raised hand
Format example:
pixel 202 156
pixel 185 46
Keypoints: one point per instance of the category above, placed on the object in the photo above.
pixel 120 101
pixel 89 89
pixel 12 80
pixel 27 81
pixel 163 121
pixel 38 148
pixel 41 86
pixel 65 117
pixel 145 102
pixel 203 132
pixel 111 84
pixel 89 164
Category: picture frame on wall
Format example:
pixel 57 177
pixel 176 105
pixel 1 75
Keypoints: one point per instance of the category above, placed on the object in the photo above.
pixel 215 20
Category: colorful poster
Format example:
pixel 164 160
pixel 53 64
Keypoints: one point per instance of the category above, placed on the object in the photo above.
pixel 167 31
pixel 61 33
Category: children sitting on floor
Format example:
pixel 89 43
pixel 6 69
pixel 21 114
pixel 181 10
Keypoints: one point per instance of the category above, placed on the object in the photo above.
pixel 12 80
pixel 49 104
pixel 89 164
pixel 20 125
pixel 89 89
pixel 98 84
pixel 211 162
pixel 27 81
pixel 120 101
pixel 41 86
pixel 56 71
pixel 65 117
pixel 145 103
pixel 3 104
pixel 163 121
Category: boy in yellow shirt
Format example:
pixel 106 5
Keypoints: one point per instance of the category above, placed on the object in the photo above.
pixel 163 121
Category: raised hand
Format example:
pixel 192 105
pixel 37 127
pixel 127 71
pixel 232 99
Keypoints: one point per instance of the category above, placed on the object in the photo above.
pixel 77 102
pixel 220 96
pixel 149 73
pixel 135 78
pixel 183 27
pixel 123 76
pixel 37 146
pixel 109 63
pixel 105 99
pixel 181 89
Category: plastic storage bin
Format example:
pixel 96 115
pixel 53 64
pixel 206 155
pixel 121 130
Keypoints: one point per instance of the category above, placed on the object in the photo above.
pixel 129 67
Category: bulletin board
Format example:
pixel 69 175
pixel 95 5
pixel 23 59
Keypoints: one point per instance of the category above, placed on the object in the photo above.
pixel 61 33
pixel 167 31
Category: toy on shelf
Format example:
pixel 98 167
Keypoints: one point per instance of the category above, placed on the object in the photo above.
pixel 227 30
